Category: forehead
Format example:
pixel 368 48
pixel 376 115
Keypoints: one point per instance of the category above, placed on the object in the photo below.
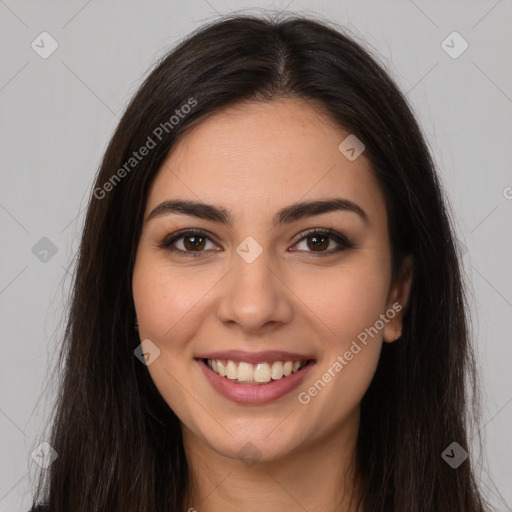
pixel 266 155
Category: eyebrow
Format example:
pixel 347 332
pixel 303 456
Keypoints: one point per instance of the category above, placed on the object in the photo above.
pixel 286 215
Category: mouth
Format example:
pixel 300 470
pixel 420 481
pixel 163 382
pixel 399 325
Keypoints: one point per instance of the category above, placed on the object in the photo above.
pixel 259 374
pixel 247 382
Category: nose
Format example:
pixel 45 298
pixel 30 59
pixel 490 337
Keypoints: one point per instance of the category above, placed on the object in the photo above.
pixel 255 297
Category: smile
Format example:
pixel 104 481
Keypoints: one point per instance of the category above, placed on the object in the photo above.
pixel 254 374
pixel 254 382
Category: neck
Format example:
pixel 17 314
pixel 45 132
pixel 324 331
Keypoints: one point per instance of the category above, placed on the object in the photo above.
pixel 316 476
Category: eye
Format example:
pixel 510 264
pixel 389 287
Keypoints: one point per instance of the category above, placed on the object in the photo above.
pixel 188 243
pixel 318 240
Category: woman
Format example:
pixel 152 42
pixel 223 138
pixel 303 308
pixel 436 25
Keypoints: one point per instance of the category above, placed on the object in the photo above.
pixel 268 310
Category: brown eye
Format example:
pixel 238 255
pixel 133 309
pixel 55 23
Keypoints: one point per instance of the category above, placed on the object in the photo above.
pixel 322 242
pixel 188 243
pixel 318 242
pixel 194 242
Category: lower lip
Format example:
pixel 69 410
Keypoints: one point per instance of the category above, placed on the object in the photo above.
pixel 254 394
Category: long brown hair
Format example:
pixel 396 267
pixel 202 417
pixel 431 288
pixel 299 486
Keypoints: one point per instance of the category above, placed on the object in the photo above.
pixel 119 444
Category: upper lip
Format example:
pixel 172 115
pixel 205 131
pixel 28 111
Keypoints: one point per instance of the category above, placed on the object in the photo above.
pixel 255 357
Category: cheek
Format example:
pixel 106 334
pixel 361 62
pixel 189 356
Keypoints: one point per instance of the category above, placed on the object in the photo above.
pixel 165 299
pixel 345 301
pixel 171 304
pixel 346 307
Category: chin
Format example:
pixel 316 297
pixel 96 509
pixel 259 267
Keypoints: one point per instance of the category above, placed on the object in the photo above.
pixel 251 443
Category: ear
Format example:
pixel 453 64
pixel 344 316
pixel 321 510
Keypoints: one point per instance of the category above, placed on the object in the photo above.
pixel 398 299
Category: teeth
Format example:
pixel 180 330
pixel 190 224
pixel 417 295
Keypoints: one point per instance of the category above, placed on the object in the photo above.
pixel 261 373
pixel 231 370
pixel 277 370
pixel 245 372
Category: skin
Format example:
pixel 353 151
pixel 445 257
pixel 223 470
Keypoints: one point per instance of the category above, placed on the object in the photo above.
pixel 254 159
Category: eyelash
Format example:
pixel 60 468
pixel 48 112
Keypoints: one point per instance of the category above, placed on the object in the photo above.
pixel 342 240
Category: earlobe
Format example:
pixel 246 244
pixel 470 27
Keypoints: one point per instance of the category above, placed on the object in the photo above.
pixel 398 300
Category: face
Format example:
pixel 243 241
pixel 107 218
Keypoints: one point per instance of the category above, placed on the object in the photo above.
pixel 261 281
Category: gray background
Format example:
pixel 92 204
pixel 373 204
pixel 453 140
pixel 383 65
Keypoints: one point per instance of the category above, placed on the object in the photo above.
pixel 57 115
